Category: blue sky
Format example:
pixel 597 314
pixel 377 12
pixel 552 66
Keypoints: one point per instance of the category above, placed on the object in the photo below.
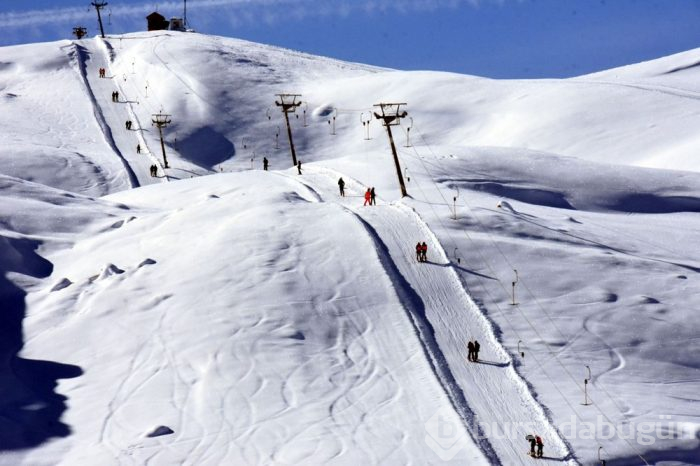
pixel 494 38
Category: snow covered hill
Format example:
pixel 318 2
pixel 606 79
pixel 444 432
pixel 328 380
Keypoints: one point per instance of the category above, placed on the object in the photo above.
pixel 220 314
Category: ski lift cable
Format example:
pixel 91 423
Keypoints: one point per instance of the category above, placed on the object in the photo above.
pixel 439 218
pixel 481 390
pixel 539 305
pixel 523 282
pixel 489 266
pixel 534 356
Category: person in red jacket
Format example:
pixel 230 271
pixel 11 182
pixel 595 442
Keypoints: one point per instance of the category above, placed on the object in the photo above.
pixel 368 197
pixel 424 252
pixel 418 251
pixel 540 445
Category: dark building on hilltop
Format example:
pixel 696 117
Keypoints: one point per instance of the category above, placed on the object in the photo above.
pixel 157 22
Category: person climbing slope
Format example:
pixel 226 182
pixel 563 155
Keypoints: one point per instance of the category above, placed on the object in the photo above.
pixel 341 186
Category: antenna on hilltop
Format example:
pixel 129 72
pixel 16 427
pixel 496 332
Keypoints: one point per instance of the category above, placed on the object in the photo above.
pixel 185 14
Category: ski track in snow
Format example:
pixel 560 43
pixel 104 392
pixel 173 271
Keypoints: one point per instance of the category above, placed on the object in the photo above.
pixel 86 59
pixel 483 394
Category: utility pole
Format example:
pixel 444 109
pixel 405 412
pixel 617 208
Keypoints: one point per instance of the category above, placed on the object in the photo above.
pixel 161 121
pixel 184 20
pixel 391 116
pixel 98 6
pixel 289 104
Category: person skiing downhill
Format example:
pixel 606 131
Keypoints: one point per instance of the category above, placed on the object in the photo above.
pixel 368 197
pixel 341 186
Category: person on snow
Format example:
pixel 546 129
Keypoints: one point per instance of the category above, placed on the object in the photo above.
pixel 138 148
pixel 368 197
pixel 477 347
pixel 372 196
pixel 265 163
pixel 533 442
pixel 299 166
pixel 418 252
pixel 540 445
pixel 470 347
pixel 424 252
pixel 341 186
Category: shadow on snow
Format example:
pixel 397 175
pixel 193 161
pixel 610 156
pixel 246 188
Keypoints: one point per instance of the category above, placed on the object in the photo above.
pixel 30 409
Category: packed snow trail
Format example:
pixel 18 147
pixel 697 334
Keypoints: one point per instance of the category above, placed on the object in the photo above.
pixel 492 399
pixel 115 115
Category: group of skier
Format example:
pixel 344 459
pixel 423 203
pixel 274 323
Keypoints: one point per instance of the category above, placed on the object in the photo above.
pixel 102 72
pixel 128 124
pixel 154 170
pixel 421 252
pixel 115 96
pixel 473 348
pixel 535 441
pixel 370 197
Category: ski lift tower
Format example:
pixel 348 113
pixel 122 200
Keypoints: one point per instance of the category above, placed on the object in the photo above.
pixel 162 120
pixel 98 6
pixel 289 104
pixel 391 115
pixel 79 32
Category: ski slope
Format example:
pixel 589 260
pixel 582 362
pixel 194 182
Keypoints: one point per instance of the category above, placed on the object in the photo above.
pixel 259 318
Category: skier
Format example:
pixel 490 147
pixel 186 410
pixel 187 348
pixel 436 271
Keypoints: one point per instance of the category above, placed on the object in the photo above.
pixel 265 163
pixel 418 252
pixel 138 148
pixel 116 96
pixel 470 347
pixel 372 195
pixel 477 346
pixel 341 185
pixel 531 438
pixel 112 96
pixel 368 197
pixel 424 252
pixel 540 445
pixel 299 166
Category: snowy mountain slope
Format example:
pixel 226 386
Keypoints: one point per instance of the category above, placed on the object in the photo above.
pixel 271 346
pixel 619 289
pixel 50 134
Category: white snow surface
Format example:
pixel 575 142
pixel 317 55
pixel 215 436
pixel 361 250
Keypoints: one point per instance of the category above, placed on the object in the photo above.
pixel 220 314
